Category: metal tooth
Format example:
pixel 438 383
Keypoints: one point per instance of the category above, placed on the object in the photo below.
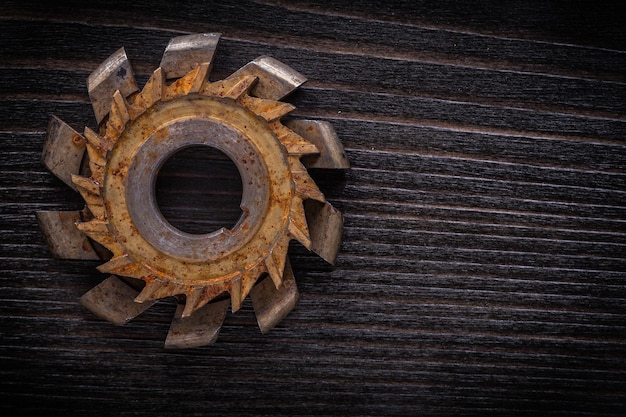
pixel 322 135
pixel 199 329
pixel 64 240
pixel 276 80
pixel 115 73
pixel 184 53
pixel 113 300
pixel 271 305
pixel 63 150
pixel 325 228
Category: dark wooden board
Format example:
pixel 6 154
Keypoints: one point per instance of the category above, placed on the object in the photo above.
pixel 483 267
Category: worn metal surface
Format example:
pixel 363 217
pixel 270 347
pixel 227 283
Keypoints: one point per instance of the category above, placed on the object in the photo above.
pixel 331 153
pixel 113 300
pixel 114 74
pixel 326 229
pixel 184 53
pixel 272 304
pixel 239 116
pixel 275 79
pixel 63 239
pixel 63 151
pixel 199 329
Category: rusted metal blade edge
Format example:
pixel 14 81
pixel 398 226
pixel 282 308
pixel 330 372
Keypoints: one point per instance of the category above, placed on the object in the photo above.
pixel 324 137
pixel 325 228
pixel 115 73
pixel 64 240
pixel 270 304
pixel 184 53
pixel 113 300
pixel 199 329
pixel 275 79
pixel 63 150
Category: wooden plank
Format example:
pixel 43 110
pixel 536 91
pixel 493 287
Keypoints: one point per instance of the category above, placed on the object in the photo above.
pixel 482 268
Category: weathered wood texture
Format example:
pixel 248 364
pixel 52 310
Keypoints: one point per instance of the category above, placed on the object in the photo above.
pixel 483 269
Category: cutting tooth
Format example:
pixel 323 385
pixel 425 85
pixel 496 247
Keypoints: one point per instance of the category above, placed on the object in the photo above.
pixel 270 304
pixel 150 94
pixel 112 300
pixel 300 234
pixel 87 184
pixel 294 143
pixel 274 270
pixel 325 228
pixel 199 329
pixel 276 79
pixel 250 277
pixel 305 186
pixel 118 116
pixel 231 87
pixel 115 73
pixel 275 262
pixel 235 294
pixel 190 83
pixel 270 110
pixel 94 226
pixel 197 297
pixel 101 144
pixel 115 264
pixel 97 147
pixel 63 239
pixel 297 223
pixel 193 301
pixel 156 289
pixel 169 289
pixel 98 230
pixel 184 53
pixel 199 79
pixel 94 202
pixel 97 170
pixel 321 134
pixel 63 150
pixel 125 266
pixel 147 294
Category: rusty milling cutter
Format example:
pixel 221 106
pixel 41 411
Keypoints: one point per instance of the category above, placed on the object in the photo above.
pixel 114 168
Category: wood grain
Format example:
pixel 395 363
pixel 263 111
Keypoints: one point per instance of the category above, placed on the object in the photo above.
pixel 482 270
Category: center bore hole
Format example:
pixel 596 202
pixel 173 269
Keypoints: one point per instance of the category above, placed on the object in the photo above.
pixel 199 190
